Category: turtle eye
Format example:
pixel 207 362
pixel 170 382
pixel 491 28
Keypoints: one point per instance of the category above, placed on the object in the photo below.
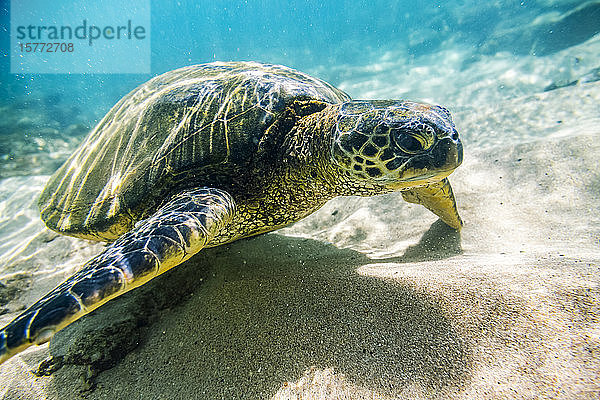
pixel 408 143
pixel 413 142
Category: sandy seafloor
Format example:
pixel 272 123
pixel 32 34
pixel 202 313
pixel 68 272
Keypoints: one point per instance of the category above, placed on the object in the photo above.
pixel 369 298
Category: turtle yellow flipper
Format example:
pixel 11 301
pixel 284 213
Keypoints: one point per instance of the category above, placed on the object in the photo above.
pixel 208 154
pixel 439 199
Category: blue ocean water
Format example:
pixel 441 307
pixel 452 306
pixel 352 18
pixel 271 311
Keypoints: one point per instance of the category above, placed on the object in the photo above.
pixel 341 41
pixel 522 298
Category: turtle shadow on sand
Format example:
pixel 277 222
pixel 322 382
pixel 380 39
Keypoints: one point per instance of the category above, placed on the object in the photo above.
pixel 439 242
pixel 257 313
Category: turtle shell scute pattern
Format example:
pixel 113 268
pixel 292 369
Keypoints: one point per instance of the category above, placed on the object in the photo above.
pixel 164 136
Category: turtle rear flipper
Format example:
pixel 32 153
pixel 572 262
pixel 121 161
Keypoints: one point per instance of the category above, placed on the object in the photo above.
pixel 437 198
pixel 178 230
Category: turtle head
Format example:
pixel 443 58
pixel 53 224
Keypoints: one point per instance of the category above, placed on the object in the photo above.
pixel 396 144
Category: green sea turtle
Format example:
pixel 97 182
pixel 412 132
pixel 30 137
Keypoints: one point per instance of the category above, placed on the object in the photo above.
pixel 208 154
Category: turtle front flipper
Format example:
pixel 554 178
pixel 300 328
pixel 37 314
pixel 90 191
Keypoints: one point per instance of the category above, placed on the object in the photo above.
pixel 178 230
pixel 439 199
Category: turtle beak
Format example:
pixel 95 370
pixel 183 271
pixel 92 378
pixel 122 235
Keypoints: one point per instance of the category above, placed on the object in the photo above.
pixel 447 153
